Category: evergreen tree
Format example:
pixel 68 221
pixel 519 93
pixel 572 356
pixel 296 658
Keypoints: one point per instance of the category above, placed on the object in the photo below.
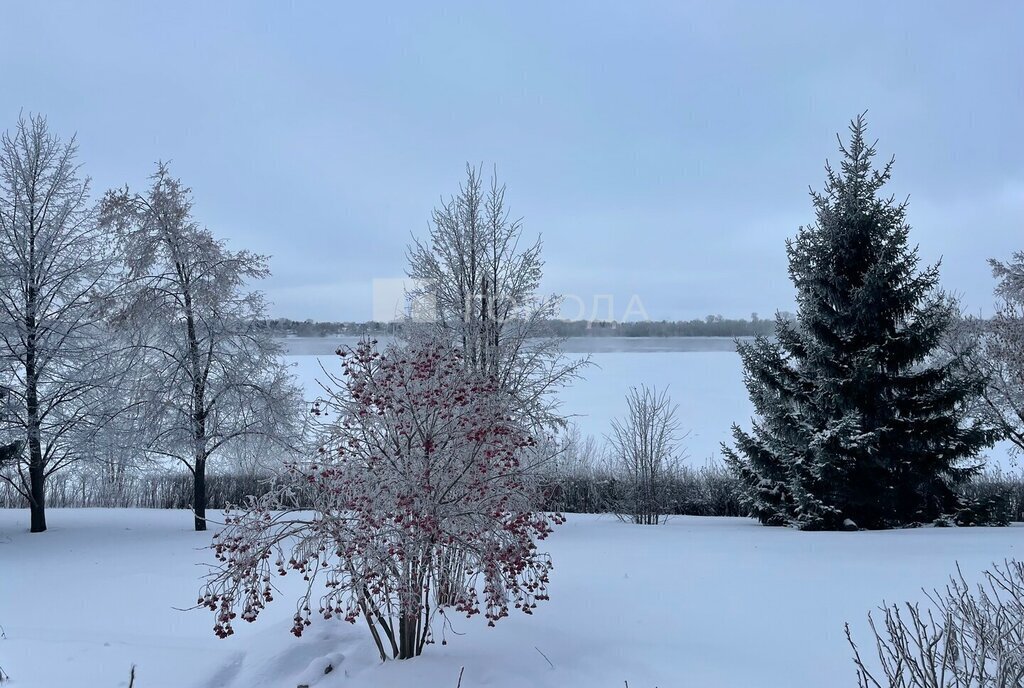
pixel 859 425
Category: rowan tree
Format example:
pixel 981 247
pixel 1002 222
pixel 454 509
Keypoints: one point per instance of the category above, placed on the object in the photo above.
pixel 421 498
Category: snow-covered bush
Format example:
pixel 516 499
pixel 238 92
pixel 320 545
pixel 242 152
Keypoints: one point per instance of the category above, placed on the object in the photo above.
pixel 973 638
pixel 421 467
pixel 584 478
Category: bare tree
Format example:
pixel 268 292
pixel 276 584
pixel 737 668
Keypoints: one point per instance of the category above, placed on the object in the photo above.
pixel 483 286
pixel 215 375
pixel 1000 353
pixel 54 272
pixel 971 638
pixel 644 451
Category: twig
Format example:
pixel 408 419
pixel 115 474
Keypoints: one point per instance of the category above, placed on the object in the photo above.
pixel 459 684
pixel 131 677
pixel 546 657
pixel 4 676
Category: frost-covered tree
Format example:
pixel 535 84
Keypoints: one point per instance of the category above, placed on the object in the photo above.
pixel 858 424
pixel 55 272
pixel 998 353
pixel 481 280
pixel 644 450
pixel 214 375
pixel 423 466
pixel 114 455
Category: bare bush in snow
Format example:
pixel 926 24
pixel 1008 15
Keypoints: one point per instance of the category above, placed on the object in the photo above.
pixel 644 450
pixel 971 638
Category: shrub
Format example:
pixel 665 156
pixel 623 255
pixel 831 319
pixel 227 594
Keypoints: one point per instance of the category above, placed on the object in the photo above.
pixel 422 500
pixel 969 639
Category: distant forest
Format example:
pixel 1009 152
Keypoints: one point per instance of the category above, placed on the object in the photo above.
pixel 710 326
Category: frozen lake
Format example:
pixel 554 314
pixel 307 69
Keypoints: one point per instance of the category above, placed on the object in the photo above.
pixel 321 346
pixel 703 376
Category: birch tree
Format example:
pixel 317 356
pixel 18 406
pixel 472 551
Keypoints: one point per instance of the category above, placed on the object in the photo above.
pixel 216 376
pixel 483 279
pixel 54 272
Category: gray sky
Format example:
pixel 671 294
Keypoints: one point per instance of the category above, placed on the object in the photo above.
pixel 661 148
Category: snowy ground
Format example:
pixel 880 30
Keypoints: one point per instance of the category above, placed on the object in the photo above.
pixel 699 602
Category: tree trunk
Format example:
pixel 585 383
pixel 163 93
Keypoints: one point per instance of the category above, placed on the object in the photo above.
pixel 407 645
pixel 36 467
pixel 199 494
pixel 37 500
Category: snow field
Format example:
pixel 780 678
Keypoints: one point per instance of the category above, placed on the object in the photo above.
pixel 697 602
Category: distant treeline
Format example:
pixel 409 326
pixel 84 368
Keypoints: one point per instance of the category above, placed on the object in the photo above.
pixel 285 327
pixel 710 326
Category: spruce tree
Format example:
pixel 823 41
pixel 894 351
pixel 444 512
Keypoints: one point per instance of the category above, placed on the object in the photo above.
pixel 859 425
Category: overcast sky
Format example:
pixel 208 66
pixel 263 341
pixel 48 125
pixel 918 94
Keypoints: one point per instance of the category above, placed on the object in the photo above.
pixel 662 149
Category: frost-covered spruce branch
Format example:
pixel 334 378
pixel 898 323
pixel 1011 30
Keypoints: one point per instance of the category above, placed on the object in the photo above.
pixel 422 466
